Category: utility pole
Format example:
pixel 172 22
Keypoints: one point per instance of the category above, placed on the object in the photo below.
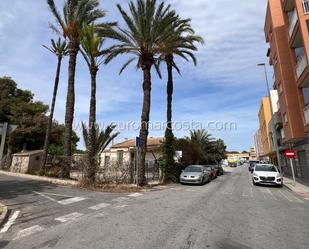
pixel 272 116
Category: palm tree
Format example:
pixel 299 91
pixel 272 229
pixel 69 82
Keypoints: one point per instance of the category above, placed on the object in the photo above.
pixel 102 138
pixel 60 49
pixel 180 43
pixel 147 26
pixel 202 142
pixel 92 53
pixel 76 13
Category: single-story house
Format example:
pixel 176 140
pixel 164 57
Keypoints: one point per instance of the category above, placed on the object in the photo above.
pixel 27 161
pixel 125 152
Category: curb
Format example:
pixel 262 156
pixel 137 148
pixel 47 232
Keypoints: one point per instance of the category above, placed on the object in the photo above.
pixel 4 215
pixel 42 178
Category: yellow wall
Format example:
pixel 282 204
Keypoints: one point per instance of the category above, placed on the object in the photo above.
pixel 264 119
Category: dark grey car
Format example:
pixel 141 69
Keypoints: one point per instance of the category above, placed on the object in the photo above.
pixel 194 174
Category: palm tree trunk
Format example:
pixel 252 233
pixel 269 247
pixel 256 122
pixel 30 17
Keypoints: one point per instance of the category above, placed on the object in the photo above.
pixel 141 179
pixel 50 121
pixel 169 91
pixel 92 129
pixel 69 112
pixel 168 147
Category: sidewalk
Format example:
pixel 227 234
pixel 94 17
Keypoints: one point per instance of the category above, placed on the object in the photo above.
pixel 301 188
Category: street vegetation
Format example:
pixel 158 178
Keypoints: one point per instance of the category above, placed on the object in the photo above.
pixel 153 34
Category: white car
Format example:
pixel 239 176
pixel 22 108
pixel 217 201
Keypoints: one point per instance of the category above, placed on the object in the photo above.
pixel 266 174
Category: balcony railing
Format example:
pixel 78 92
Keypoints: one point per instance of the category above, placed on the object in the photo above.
pixel 293 18
pixel 306 112
pixel 301 65
pixel 306 6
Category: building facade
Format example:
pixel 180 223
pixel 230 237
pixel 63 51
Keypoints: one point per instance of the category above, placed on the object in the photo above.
pixel 264 119
pixel 258 144
pixel 286 31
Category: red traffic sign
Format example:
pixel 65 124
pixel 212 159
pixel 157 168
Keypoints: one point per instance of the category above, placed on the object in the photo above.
pixel 291 154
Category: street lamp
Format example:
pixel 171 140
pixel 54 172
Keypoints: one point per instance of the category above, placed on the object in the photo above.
pixel 272 114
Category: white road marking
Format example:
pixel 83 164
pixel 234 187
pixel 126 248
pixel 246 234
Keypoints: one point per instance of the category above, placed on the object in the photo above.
pixel 99 206
pixel 45 196
pixel 306 199
pixel 263 193
pixel 269 191
pixel 120 199
pixel 135 195
pixel 10 222
pixel 69 217
pixel 28 231
pixel 60 195
pixel 294 197
pixel 62 202
pixel 121 206
pixel 71 200
pixel 284 195
pixel 244 194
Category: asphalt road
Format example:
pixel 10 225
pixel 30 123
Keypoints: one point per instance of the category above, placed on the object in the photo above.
pixel 228 213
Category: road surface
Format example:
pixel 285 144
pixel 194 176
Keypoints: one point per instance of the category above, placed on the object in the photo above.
pixel 228 213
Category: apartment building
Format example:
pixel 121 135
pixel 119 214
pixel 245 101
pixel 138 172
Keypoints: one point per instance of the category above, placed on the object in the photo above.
pixel 258 144
pixel 264 119
pixel 286 31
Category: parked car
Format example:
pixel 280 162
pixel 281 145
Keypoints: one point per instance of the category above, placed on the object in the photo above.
pixel 194 174
pixel 233 164
pixel 219 170
pixel 211 171
pixel 252 163
pixel 266 174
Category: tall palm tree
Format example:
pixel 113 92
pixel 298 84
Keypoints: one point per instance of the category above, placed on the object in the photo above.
pixel 180 43
pixel 76 13
pixel 92 52
pixel 59 49
pixel 102 138
pixel 147 26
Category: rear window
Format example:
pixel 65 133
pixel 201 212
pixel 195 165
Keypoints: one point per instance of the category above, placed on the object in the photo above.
pixel 268 168
pixel 193 169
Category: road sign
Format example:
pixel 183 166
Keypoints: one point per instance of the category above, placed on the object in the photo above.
pixel 138 142
pixel 291 154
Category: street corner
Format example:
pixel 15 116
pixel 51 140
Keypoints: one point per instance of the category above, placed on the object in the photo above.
pixel 305 195
pixel 4 213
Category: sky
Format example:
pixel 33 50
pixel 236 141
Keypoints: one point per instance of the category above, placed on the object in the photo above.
pixel 221 94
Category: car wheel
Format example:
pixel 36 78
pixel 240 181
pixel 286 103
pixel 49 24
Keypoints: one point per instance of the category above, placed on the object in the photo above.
pixel 203 181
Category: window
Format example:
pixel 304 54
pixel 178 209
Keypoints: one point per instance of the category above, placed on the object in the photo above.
pixel 306 95
pixel 282 133
pixel 120 157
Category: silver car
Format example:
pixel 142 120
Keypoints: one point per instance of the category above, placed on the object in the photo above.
pixel 194 174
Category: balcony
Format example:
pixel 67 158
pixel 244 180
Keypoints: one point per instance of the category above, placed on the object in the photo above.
pixel 306 112
pixel 293 18
pixel 301 64
pixel 306 6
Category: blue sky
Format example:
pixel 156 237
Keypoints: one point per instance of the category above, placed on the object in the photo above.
pixel 226 86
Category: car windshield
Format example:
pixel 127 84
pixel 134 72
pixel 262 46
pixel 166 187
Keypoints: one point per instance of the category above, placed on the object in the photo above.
pixel 208 168
pixel 193 169
pixel 268 168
